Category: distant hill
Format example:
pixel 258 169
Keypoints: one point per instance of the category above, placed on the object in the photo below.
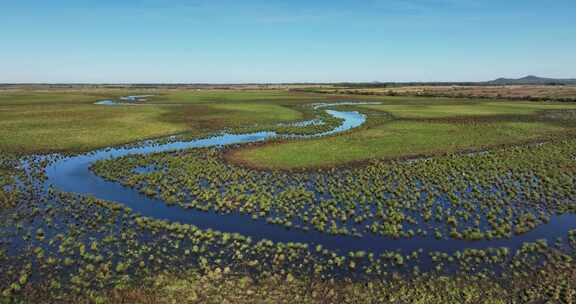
pixel 531 80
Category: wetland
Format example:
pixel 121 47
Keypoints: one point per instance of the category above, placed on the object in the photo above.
pixel 269 186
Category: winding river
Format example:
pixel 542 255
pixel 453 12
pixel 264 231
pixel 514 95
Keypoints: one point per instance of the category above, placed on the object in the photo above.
pixel 72 174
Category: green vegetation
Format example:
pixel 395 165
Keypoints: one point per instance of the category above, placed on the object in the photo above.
pixel 43 122
pixel 43 97
pixel 552 285
pixel 29 117
pixel 562 93
pixel 79 127
pixel 232 96
pixel 451 108
pixel 394 139
pixel 418 129
pixel 426 225
pixel 9 195
pixel 278 113
pixel 78 252
pixel 217 117
pixel 452 195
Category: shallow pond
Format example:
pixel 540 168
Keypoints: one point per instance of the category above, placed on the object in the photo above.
pixel 106 102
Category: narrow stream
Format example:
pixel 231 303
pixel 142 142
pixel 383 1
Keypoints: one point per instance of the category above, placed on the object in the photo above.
pixel 72 174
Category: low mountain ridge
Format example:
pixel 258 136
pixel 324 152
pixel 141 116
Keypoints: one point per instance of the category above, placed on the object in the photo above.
pixel 531 79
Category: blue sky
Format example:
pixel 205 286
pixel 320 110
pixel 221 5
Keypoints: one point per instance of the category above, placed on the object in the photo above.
pixel 222 41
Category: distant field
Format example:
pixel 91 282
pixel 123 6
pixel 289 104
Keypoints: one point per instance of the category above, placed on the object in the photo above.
pixel 77 127
pixel 514 91
pixel 66 120
pixel 511 91
pixel 219 96
pixel 172 96
pixel 42 121
pixel 454 109
pixel 51 97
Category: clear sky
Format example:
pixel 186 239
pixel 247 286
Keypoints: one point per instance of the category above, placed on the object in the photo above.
pixel 222 41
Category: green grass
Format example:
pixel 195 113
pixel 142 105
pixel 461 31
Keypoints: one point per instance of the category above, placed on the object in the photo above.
pixel 222 96
pixel 68 121
pixel 391 140
pixel 56 97
pixel 210 118
pixel 65 120
pixel 74 96
pixel 271 112
pixel 79 127
pixel 414 132
pixel 455 109
pixel 29 128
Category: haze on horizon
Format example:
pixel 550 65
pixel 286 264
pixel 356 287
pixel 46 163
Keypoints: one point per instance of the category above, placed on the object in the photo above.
pixel 224 41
